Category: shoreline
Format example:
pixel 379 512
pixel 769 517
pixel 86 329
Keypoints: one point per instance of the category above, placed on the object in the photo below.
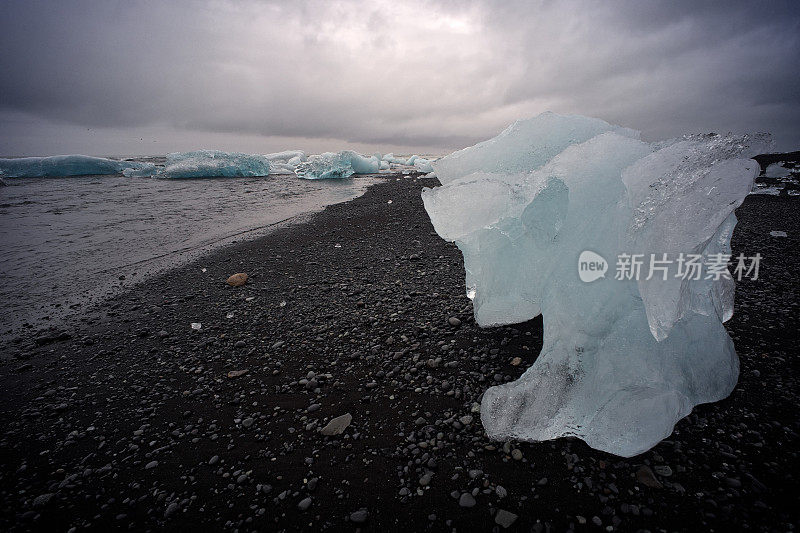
pixel 133 421
pixel 53 319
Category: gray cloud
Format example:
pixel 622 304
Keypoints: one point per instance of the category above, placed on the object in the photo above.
pixel 435 75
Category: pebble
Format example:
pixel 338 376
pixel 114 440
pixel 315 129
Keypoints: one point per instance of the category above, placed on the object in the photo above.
pixel 646 477
pixel 466 500
pixel 151 465
pixel 43 499
pixel 359 517
pixel 663 470
pixel 171 508
pixel 455 322
pixel 304 504
pixel 337 425
pixel 505 518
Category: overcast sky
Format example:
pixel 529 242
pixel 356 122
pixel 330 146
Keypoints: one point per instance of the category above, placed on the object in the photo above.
pixel 133 77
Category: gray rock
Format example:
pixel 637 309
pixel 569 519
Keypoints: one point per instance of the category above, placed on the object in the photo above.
pixel 43 499
pixel 304 504
pixel 151 465
pixel 247 422
pixel 663 470
pixel 171 508
pixel 505 518
pixel 455 322
pixel 359 517
pixel 337 425
pixel 466 500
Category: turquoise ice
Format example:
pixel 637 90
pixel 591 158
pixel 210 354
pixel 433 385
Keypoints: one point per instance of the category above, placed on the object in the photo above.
pixel 622 359
pixel 58 166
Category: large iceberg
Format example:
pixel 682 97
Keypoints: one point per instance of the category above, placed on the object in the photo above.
pixel 544 214
pixel 65 165
pixel 337 165
pixel 213 163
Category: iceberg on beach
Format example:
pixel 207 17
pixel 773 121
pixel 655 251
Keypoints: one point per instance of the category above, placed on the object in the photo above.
pixel 337 165
pixel 213 163
pixel 285 162
pixel 205 164
pixel 390 158
pixel 65 165
pixel 423 165
pixel 544 213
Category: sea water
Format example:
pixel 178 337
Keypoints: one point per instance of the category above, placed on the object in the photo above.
pixel 66 242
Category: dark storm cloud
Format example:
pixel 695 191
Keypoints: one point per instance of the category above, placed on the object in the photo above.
pixel 388 74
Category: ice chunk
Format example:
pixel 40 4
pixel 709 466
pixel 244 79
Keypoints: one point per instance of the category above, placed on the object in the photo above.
pixel 329 165
pixel 282 168
pixel 64 165
pixel 777 170
pixel 423 165
pixel 332 165
pixel 361 164
pixel 524 146
pixel 390 158
pixel 144 171
pixel 213 163
pixel 287 156
pixel 622 359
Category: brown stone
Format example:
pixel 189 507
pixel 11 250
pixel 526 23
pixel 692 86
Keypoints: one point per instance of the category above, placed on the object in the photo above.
pixel 237 280
pixel 646 477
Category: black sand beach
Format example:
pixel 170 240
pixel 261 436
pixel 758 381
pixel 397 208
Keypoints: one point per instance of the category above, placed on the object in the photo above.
pixel 129 419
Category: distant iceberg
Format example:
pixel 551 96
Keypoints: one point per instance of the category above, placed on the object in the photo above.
pixel 212 164
pixel 58 166
pixel 285 162
pixel 333 165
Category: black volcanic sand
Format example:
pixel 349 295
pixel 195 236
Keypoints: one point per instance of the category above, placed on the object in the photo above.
pixel 130 421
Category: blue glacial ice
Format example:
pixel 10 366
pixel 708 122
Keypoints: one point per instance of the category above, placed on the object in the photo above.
pixel 213 163
pixel 285 162
pixel 65 165
pixel 337 165
pixel 622 359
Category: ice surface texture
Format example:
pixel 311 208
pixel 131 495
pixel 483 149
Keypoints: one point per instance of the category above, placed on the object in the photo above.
pixel 622 360
pixel 213 163
pixel 333 165
pixel 58 166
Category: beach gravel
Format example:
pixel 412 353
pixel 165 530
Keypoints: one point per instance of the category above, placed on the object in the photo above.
pixel 357 321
